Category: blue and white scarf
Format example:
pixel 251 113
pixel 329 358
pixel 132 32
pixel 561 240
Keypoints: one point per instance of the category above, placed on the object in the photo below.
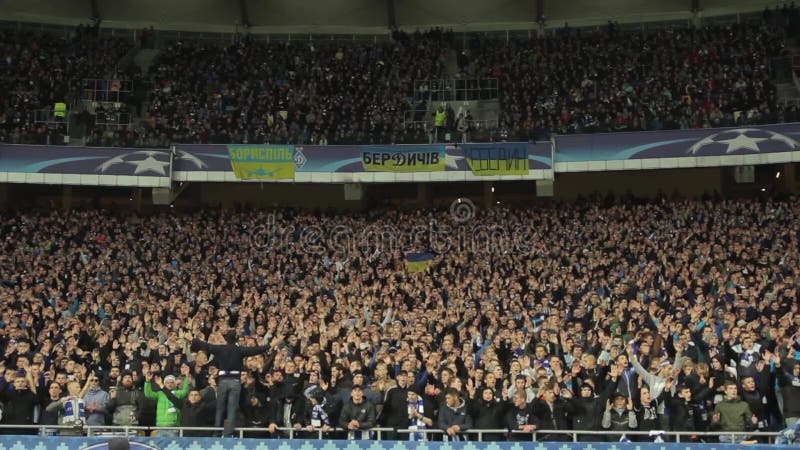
pixel 74 412
pixel 319 417
pixel 417 423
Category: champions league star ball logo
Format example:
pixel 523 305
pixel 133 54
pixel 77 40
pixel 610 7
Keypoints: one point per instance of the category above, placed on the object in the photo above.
pixel 120 443
pixel 149 162
pixel 743 141
pixel 454 158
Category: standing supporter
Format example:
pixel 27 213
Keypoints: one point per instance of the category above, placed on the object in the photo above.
pixel 167 413
pixel 230 363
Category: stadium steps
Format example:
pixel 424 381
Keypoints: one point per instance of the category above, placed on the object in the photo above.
pixel 451 64
pixel 483 111
pixel 787 91
pixel 144 58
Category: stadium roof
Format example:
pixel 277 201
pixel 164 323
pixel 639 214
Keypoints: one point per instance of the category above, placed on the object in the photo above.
pixel 358 16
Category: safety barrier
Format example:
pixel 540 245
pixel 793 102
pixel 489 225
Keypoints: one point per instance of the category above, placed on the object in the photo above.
pixel 379 433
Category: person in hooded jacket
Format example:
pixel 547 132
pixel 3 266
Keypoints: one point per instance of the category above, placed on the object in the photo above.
pixel 588 411
pixel 488 413
pixel 257 413
pixel 453 416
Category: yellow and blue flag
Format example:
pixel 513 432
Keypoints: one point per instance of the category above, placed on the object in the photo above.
pixel 418 262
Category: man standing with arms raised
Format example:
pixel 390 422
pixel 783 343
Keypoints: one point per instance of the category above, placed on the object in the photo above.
pixel 229 357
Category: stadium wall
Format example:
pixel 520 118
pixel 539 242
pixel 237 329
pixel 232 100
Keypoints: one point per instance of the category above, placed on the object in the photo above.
pixel 686 183
pixel 356 17
pixel 642 184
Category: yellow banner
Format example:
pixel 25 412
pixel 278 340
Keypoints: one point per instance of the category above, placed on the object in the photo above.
pixel 262 162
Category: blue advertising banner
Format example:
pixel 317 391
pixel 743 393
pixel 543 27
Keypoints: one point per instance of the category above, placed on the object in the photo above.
pixel 90 160
pixel 437 162
pixel 81 443
pixel 351 159
pixel 678 143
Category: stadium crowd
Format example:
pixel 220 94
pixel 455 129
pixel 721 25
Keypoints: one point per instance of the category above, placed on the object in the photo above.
pixel 39 69
pixel 330 92
pixel 666 315
pixel 613 80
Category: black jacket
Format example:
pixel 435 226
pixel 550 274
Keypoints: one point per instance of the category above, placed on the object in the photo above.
pixel 228 357
pixel 395 409
pixel 516 418
pixel 489 415
pixel 556 418
pixel 683 416
pixel 297 412
pixel 790 388
pixel 587 413
pixel 197 415
pixel 19 405
pixel 364 413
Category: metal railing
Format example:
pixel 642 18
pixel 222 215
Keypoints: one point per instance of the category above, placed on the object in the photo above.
pixel 575 434
pixel 452 89
pixel 113 119
pixel 105 90
pixel 48 117
pixel 380 432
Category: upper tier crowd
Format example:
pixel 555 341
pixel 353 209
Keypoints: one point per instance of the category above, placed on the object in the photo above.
pixel 633 81
pixel 327 92
pixel 666 315
pixel 37 70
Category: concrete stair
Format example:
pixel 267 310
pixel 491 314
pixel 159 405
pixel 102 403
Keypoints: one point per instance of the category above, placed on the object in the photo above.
pixel 144 58
pixel 787 92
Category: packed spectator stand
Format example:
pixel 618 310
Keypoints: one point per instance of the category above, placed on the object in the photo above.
pixel 629 316
pixel 257 90
pixel 579 82
pixel 38 70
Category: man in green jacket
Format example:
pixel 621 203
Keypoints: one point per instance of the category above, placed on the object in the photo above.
pixel 167 414
pixel 732 414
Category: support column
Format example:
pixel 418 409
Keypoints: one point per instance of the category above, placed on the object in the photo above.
pixel 391 16
pixel 3 197
pixel 488 194
pixel 788 179
pixel 66 198
pixel 423 195
pixel 137 200
pixel 694 7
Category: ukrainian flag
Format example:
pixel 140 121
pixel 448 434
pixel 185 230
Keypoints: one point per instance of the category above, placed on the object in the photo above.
pixel 418 262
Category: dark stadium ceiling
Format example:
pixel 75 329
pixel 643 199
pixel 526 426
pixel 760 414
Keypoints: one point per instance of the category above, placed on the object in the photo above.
pixel 357 16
